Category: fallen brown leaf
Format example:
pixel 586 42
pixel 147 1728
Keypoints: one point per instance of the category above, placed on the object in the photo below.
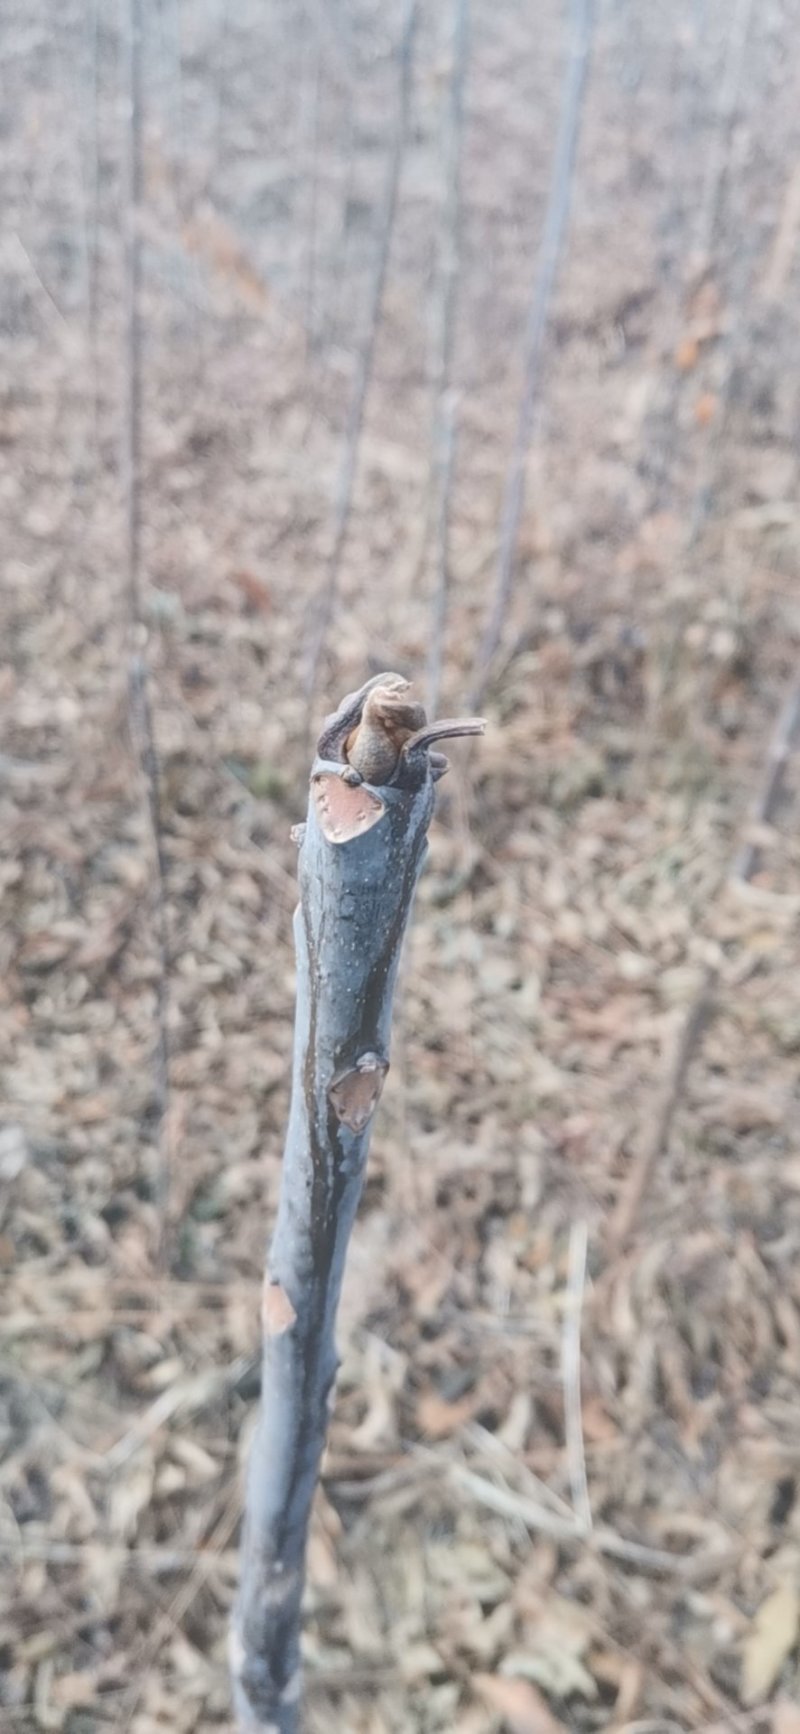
pixel 625 1676
pixel 74 1691
pixel 686 354
pixel 437 1419
pixel 598 1427
pixel 705 408
pixel 786 1717
pixel 257 593
pixel 524 1709
pixel 207 236
pixel 769 1642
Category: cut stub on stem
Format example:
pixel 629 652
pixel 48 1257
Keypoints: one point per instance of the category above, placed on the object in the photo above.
pixel 277 1313
pixel 343 812
pixel 361 852
pixel 356 1093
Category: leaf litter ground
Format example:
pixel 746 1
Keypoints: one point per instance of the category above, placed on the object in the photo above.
pixel 581 905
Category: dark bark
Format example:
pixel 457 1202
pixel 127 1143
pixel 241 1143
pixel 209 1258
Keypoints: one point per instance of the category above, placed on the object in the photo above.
pixel 362 850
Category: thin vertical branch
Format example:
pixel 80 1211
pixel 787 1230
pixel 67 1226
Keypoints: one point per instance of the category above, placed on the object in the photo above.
pixel 47 301
pixel 132 422
pixel 337 61
pixel 330 291
pixel 336 28
pixel 571 1373
pixel 723 166
pixel 724 101
pixel 444 460
pixel 555 226
pixel 656 1138
pixel 784 246
pixel 781 746
pixel 720 173
pixel 131 466
pixel 313 198
pixel 171 58
pixel 90 194
pixel 218 97
pixel 170 1621
pixel 326 607
pixel 444 424
pixel 694 1019
pixel 93 177
pixel 719 157
pixel 731 347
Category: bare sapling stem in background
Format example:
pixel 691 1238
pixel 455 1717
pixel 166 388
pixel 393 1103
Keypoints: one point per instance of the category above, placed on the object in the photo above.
pixel 559 199
pixel 361 852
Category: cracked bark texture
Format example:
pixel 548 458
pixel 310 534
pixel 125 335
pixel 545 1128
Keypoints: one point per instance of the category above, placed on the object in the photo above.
pixel 361 853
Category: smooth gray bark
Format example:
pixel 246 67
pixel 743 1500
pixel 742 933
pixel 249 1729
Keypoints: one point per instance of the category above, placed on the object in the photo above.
pixel 361 854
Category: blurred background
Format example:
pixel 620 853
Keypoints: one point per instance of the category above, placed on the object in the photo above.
pixel 459 339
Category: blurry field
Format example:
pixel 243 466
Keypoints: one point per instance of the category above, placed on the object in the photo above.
pixel 598 1035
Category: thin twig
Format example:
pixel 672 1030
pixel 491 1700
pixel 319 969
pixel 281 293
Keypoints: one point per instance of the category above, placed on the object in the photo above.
pixel 784 246
pixel 90 197
pixel 189 1395
pixel 781 746
pixel 139 704
pixel 48 302
pixel 444 420
pixel 443 466
pixel 652 1725
pixel 654 1146
pixel 562 1526
pixel 337 58
pixel 326 606
pixel 735 339
pixel 495 1450
pixel 784 739
pixel 144 740
pixel 132 425
pixel 313 198
pixel 724 98
pixel 336 29
pixel 171 54
pixel 507 1503
pixel 555 226
pixel 204 1563
pixel 330 291
pixel 734 1724
pixel 147 1557
pixel 735 342
pixel 217 100
pixel 151 1294
pixel 571 1374
pixel 90 1323
pixel 719 157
